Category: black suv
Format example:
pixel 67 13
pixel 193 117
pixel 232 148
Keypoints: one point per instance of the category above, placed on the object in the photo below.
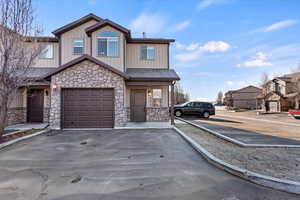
pixel 204 109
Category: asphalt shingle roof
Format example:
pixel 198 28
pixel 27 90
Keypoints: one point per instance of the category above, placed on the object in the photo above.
pixel 155 74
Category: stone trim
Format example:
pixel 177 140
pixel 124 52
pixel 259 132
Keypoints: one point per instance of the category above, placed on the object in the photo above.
pixel 87 74
pixel 157 114
pixel 16 115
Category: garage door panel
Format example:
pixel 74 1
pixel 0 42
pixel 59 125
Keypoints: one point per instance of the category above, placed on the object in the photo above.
pixel 88 108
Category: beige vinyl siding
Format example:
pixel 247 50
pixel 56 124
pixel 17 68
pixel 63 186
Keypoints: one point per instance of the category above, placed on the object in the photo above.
pixel 164 102
pixel 51 62
pixel 133 58
pixel 118 61
pixel 67 41
pixel 19 99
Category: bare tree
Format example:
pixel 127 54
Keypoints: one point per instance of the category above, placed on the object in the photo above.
pixel 220 97
pixel 180 95
pixel 16 56
pixel 263 84
pixel 296 89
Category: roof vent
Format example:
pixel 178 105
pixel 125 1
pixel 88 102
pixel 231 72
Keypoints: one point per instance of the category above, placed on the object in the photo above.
pixel 144 34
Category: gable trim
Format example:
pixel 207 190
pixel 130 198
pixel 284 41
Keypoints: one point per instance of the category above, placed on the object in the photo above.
pixel 81 59
pixel 107 22
pixel 76 23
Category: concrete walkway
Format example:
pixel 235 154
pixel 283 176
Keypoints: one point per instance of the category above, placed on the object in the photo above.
pixel 247 137
pixel 27 126
pixel 118 164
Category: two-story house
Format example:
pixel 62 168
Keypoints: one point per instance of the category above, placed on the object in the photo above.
pixel 280 93
pixel 94 74
pixel 243 98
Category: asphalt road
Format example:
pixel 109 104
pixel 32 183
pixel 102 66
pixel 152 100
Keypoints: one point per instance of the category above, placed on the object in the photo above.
pixel 118 164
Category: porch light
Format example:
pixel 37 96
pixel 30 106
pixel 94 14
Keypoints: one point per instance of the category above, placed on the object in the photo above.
pixel 55 86
pixel 149 93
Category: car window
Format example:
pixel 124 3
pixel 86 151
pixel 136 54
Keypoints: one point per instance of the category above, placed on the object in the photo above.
pixel 190 104
pixel 197 104
pixel 207 105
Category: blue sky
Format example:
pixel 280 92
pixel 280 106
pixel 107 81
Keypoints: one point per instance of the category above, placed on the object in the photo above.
pixel 220 44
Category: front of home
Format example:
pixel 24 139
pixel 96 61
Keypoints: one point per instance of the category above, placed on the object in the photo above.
pixel 94 74
pixel 243 98
pixel 282 93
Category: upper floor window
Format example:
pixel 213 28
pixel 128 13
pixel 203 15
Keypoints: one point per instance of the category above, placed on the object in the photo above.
pixel 108 44
pixel 78 46
pixel 147 53
pixel 47 52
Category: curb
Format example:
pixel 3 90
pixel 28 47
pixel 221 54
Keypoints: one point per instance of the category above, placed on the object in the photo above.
pixel 267 181
pixel 6 144
pixel 234 141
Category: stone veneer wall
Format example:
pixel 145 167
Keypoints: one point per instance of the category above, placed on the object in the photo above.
pixel 16 116
pixel 155 114
pixel 87 75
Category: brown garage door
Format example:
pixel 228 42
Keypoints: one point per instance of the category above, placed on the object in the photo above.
pixel 87 108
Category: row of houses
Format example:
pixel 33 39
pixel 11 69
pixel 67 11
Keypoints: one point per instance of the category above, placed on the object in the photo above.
pixel 277 95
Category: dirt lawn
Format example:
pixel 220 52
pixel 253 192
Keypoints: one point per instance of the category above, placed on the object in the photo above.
pixel 280 125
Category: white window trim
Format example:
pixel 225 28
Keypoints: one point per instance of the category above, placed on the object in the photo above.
pixel 107 46
pixel 52 53
pixel 78 46
pixel 154 49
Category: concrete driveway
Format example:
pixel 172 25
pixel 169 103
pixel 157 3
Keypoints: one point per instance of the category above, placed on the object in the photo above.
pixel 118 164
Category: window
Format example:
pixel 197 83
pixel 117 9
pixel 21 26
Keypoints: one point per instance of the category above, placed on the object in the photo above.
pixel 147 53
pixel 157 97
pixel 108 44
pixel 47 52
pixel 78 47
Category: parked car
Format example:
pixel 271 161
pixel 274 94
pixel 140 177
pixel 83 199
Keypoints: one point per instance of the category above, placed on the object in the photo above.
pixel 203 109
pixel 295 113
pixel 219 104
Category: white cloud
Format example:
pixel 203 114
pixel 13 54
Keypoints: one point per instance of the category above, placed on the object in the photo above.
pixel 206 3
pixel 194 51
pixel 259 60
pixel 279 25
pixel 188 56
pixel 216 46
pixel 178 45
pixel 183 25
pixel 192 46
pixel 151 23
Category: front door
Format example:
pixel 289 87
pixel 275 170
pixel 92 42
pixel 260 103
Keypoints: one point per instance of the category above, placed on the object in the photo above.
pixel 138 105
pixel 35 105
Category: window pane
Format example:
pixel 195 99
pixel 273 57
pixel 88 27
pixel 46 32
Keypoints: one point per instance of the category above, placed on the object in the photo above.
pixel 102 47
pixel 150 52
pixel 78 50
pixel 78 43
pixel 144 52
pixel 157 93
pixel 113 48
pixel 107 34
pixel 47 51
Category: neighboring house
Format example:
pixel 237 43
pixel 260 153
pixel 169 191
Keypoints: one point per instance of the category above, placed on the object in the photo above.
pixel 94 74
pixel 280 93
pixel 228 101
pixel 243 98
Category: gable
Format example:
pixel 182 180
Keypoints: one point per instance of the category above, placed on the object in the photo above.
pixel 84 58
pixel 76 23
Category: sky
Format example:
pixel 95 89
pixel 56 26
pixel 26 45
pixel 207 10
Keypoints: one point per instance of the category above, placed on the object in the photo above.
pixel 220 44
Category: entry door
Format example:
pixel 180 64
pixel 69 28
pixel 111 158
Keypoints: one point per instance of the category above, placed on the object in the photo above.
pixel 35 105
pixel 138 105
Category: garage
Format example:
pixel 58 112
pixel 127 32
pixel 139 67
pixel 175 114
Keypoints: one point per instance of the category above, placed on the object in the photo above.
pixel 273 106
pixel 88 108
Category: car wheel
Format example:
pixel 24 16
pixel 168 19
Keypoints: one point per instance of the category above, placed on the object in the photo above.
pixel 178 113
pixel 206 115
